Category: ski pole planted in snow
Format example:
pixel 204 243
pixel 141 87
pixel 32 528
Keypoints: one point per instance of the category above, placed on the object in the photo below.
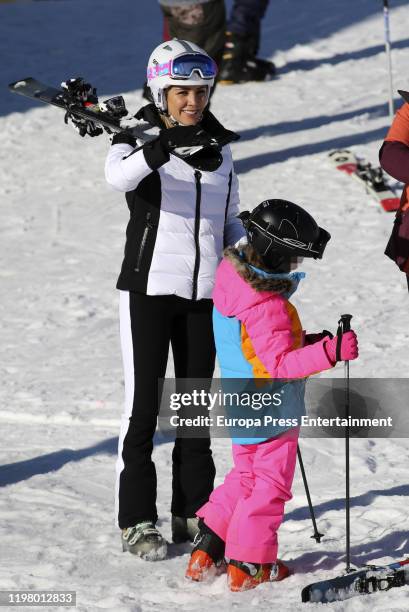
pixel 388 54
pixel 316 535
pixel 370 578
pixel 344 325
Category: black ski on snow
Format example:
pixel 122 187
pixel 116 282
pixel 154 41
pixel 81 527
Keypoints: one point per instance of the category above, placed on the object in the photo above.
pixel 370 579
pixel 31 88
pixel 372 177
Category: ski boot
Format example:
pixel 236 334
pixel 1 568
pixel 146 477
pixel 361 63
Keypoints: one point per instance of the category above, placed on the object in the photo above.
pixel 240 65
pixel 184 529
pixel 207 558
pixel 145 541
pixel 242 576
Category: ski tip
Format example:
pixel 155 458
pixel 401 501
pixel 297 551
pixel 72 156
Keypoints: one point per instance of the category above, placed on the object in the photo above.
pixel 349 168
pixel 305 595
pixel 337 152
pixel 19 83
pixel 344 160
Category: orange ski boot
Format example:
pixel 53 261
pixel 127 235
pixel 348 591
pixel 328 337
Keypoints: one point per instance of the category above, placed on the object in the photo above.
pixel 242 576
pixel 207 558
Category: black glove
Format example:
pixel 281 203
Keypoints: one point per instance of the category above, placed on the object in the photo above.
pixel 123 137
pixel 183 141
pixel 182 136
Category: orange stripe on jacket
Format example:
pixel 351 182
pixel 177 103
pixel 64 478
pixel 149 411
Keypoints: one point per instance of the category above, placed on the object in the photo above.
pixel 259 370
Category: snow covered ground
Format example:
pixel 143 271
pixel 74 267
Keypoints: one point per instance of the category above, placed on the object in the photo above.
pixel 62 233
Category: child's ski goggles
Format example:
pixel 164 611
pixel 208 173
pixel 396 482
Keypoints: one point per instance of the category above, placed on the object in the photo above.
pixel 184 66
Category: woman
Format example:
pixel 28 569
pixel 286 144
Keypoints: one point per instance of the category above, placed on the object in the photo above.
pixel 182 194
pixel 394 158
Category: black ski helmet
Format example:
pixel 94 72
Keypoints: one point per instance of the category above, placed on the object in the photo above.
pixel 278 230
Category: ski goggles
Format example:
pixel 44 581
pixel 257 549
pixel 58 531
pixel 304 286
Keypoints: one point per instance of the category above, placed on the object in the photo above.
pixel 184 66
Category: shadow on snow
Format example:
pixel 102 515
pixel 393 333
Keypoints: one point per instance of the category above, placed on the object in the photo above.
pixel 318 559
pixel 391 545
pixel 289 127
pixel 13 473
pixel 311 64
pixel 281 155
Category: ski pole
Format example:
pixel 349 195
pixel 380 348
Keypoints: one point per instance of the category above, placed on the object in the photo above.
pixel 388 54
pixel 344 325
pixel 316 535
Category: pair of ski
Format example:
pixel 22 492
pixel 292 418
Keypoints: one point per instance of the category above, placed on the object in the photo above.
pixel 371 177
pixel 100 114
pixel 82 107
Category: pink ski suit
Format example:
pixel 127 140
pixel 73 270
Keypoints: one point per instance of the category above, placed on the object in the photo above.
pixel 248 508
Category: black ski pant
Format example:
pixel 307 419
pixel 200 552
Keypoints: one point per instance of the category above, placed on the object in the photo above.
pixel 149 324
pixel 245 19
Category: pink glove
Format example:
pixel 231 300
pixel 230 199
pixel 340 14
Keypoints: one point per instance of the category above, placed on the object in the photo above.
pixel 349 347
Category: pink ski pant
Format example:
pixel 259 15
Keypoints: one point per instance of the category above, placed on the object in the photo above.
pixel 248 508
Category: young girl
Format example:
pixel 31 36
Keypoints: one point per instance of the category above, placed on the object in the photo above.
pixel 258 333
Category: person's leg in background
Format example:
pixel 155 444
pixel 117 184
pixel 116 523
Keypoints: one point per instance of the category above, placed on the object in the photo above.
pixel 202 23
pixel 240 62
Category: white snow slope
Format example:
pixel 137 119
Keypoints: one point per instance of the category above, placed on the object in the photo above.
pixel 62 234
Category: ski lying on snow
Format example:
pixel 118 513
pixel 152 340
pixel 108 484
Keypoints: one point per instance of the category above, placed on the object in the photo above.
pixel 369 579
pixel 372 177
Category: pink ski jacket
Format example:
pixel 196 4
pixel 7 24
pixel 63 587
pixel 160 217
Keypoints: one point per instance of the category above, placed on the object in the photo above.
pixel 268 342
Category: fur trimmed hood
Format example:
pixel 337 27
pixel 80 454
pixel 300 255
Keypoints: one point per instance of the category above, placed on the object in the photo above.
pixel 242 262
pixel 241 286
